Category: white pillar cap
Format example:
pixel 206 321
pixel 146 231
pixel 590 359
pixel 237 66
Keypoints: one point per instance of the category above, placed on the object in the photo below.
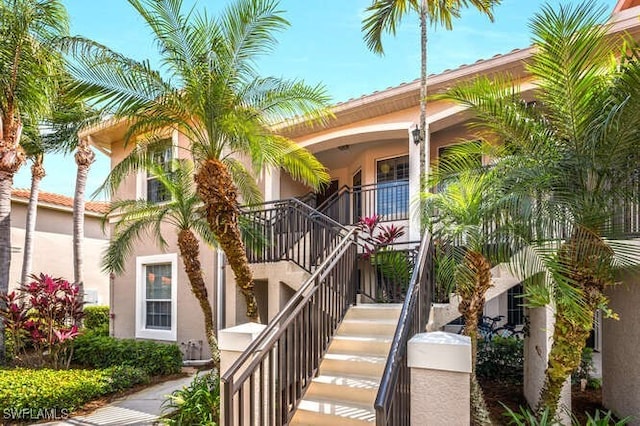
pixel 440 351
pixel 239 337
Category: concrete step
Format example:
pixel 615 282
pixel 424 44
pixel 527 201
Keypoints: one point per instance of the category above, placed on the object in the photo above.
pixel 367 327
pixel 372 345
pixel 374 311
pixel 336 364
pixel 323 412
pixel 351 389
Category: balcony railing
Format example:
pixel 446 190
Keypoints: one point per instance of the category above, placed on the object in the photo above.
pixel 393 400
pixel 390 200
pixel 289 230
pixel 265 385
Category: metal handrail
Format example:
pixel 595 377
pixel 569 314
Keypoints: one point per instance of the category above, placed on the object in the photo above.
pixel 278 366
pixel 392 402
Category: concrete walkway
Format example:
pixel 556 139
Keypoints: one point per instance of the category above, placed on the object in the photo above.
pixel 139 408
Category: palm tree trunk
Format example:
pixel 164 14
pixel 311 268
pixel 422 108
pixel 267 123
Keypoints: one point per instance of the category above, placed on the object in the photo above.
pixel 190 253
pixel 219 194
pixel 471 305
pixel 424 134
pixel 37 173
pixel 84 157
pixel 585 255
pixel 11 158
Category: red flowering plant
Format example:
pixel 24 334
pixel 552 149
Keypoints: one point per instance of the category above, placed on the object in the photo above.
pixel 44 315
pixel 394 266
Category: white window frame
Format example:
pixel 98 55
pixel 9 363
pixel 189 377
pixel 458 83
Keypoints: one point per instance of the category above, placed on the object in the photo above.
pixel 141 331
pixel 141 176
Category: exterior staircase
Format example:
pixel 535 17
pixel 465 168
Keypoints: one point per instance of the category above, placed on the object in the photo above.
pixel 344 391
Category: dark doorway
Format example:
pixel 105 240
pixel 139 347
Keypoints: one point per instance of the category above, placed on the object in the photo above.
pixel 327 192
pixel 357 196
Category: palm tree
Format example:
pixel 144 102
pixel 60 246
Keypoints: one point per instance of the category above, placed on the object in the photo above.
pixel 570 157
pixel 183 213
pixel 213 95
pixel 27 66
pixel 468 220
pixel 385 15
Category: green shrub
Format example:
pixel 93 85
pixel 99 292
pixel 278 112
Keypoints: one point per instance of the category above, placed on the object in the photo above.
pixel 96 319
pixel 501 358
pixel 196 404
pixel 525 417
pixel 25 392
pixel 154 358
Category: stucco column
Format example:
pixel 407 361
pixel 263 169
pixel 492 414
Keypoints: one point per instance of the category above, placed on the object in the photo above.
pixel 271 184
pixel 537 346
pixel 232 342
pixel 440 366
pixel 414 187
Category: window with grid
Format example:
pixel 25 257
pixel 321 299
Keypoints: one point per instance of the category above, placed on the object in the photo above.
pixel 515 310
pixel 392 177
pixel 162 155
pixel 157 301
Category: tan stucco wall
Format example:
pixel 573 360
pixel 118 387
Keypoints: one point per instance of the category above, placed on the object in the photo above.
pixel 190 325
pixel 620 346
pixel 56 220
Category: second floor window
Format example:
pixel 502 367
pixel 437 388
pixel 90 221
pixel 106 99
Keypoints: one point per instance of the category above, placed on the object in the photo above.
pixel 162 155
pixel 392 177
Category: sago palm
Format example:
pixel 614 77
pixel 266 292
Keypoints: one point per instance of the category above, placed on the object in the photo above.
pixel 571 158
pixel 385 15
pixel 470 224
pixel 182 214
pixel 210 91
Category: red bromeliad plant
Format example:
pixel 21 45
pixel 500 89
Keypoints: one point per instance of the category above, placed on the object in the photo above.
pixel 43 315
pixel 377 236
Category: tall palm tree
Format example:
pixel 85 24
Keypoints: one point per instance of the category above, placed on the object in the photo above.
pixel 468 219
pixel 185 214
pixel 210 92
pixel 385 15
pixel 572 155
pixel 27 64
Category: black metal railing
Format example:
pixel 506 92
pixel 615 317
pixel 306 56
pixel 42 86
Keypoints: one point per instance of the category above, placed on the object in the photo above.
pixel 390 200
pixel 265 385
pixel 393 400
pixel 384 276
pixel 289 230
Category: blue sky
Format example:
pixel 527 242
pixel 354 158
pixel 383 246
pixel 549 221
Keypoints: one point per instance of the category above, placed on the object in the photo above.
pixel 323 45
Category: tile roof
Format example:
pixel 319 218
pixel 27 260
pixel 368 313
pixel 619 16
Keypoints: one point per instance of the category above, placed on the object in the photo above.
pixel 61 200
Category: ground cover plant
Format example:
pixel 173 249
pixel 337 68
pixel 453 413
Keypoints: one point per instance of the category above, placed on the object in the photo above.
pixel 198 403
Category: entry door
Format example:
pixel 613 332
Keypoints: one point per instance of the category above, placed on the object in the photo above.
pixel 327 192
pixel 357 196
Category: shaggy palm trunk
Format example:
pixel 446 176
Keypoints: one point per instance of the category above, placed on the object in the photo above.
pixel 424 134
pixel 11 158
pixel 190 253
pixel 584 256
pixel 37 173
pixel 84 157
pixel 472 291
pixel 219 194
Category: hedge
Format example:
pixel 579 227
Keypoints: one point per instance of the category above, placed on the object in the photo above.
pixel 156 359
pixel 25 393
pixel 96 319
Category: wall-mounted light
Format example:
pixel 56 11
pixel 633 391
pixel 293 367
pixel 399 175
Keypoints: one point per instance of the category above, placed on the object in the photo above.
pixel 415 133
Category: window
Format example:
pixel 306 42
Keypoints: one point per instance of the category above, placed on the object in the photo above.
pixel 156 291
pixel 392 176
pixel 515 310
pixel 162 155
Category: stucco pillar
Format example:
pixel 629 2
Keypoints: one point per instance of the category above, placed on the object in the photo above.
pixel 414 187
pixel 536 356
pixel 271 184
pixel 232 342
pixel 440 366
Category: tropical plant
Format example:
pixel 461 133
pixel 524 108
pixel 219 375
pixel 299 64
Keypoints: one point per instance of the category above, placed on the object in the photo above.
pixel 28 66
pixel 210 92
pixel 184 215
pixel 385 15
pixel 198 403
pixel 45 313
pixel 467 219
pixel 569 160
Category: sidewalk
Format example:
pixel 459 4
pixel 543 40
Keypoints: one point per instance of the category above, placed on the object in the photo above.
pixel 140 408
